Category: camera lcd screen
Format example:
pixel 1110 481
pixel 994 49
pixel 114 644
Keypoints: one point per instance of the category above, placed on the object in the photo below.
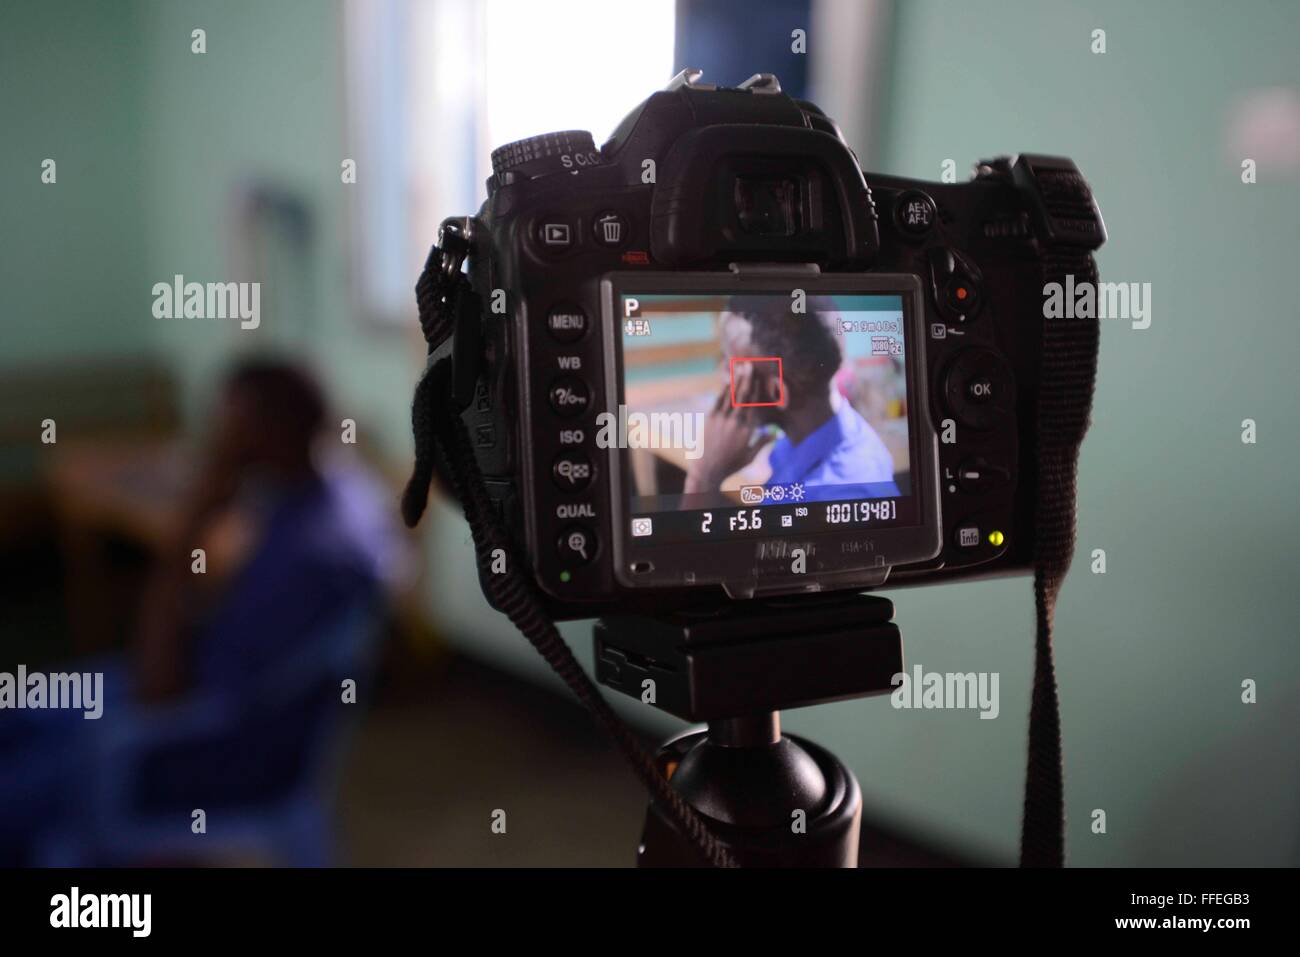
pixel 763 414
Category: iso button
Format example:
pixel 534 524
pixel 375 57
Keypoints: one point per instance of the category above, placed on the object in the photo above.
pixel 569 396
pixel 572 471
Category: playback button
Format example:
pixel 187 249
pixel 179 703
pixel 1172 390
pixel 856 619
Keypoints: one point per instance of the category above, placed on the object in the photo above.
pixel 555 235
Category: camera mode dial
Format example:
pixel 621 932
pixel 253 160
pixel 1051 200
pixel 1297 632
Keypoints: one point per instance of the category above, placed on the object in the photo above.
pixel 566 151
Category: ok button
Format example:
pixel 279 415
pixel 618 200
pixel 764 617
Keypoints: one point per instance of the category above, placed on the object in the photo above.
pixel 980 389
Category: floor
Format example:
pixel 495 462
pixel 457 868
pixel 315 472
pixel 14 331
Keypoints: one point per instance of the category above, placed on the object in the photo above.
pixel 450 743
pixel 426 778
pixel 428 772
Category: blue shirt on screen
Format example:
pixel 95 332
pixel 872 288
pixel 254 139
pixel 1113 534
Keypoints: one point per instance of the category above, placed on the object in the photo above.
pixel 844 450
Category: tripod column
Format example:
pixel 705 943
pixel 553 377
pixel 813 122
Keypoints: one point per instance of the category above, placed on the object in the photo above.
pixel 775 800
pixel 747 732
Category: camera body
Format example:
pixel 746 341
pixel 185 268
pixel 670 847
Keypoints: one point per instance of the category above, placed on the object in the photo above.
pixel 864 349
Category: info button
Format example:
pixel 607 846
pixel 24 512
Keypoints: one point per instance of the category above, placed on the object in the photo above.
pixel 566 323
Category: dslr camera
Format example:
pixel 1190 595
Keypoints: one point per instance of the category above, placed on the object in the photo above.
pixel 719 359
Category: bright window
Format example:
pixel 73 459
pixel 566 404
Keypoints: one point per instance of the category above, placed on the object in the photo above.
pixel 434 86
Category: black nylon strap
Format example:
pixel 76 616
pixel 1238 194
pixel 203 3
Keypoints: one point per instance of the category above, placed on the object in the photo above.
pixel 443 446
pixel 1069 373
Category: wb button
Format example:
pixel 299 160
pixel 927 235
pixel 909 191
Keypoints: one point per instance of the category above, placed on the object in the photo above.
pixel 569 396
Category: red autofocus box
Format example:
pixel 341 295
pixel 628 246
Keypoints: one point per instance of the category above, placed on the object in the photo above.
pixel 780 377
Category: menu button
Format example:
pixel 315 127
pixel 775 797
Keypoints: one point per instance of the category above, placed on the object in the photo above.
pixel 566 323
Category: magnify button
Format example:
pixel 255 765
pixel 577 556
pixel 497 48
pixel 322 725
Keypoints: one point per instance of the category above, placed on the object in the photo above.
pixel 577 545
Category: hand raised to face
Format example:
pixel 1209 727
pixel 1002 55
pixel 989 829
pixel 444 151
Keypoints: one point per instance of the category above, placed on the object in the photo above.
pixel 730 431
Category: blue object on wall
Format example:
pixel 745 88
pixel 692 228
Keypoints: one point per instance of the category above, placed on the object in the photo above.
pixel 731 40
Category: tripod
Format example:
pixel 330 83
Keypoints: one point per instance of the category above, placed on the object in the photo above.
pixel 773 799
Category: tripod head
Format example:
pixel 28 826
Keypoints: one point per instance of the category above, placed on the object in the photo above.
pixel 774 799
pixel 746 658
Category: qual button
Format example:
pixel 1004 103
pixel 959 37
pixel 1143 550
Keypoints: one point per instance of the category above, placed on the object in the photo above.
pixel 576 544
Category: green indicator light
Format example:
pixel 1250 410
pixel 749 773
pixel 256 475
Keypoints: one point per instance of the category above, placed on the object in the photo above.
pixel 995 538
pixel 565 576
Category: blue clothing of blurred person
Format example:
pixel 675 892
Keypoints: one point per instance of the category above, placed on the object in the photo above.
pixel 290 545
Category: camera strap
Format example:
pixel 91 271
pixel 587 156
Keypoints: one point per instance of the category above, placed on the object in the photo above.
pixel 1069 374
pixel 450 315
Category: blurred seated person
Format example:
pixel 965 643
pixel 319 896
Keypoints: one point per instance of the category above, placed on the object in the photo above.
pixel 292 543
pixel 290 539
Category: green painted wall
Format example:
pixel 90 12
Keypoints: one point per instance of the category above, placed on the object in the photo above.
pixel 70 252
pixel 264 104
pixel 1199 530
pixel 153 141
